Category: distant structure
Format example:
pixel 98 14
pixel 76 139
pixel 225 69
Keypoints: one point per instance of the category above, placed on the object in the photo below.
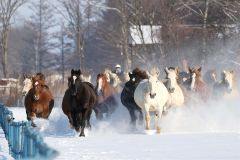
pixel 144 39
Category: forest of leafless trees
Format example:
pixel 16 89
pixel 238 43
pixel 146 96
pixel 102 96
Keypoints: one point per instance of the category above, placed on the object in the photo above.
pixel 94 34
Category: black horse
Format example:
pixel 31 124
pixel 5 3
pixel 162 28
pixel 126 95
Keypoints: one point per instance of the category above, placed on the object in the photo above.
pixel 127 95
pixel 79 101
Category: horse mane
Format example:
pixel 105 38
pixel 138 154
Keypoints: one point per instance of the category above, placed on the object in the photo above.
pixel 178 76
pixel 141 73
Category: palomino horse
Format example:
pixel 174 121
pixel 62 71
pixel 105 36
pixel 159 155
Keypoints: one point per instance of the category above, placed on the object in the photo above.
pixel 39 100
pixel 176 96
pixel 227 87
pixel 127 95
pixel 151 95
pixel 197 85
pixel 106 97
pixel 78 102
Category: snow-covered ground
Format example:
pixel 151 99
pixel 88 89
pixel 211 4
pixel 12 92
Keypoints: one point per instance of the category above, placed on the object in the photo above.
pixel 201 132
pixel 4 150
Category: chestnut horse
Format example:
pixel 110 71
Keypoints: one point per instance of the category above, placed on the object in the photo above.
pixel 39 100
pixel 197 85
pixel 78 101
pixel 106 97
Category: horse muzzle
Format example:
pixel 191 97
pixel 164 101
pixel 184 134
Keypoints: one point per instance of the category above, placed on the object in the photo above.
pixel 171 90
pixel 152 95
pixel 36 97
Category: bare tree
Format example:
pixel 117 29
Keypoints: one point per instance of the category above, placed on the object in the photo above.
pixel 42 22
pixel 215 13
pixel 7 9
pixel 71 10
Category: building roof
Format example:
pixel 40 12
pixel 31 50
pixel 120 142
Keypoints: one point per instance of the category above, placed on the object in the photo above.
pixel 145 34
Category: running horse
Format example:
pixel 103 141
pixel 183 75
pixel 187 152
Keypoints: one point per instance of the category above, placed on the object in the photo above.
pixel 78 102
pixel 151 95
pixel 176 95
pixel 227 87
pixel 196 85
pixel 106 97
pixel 127 95
pixel 39 100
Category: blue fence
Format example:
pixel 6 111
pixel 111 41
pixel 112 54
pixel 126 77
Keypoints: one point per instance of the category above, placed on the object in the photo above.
pixel 24 141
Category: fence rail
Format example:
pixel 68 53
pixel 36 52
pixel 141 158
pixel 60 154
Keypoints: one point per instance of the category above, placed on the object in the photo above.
pixel 24 141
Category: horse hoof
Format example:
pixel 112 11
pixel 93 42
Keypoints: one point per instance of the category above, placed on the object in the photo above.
pixel 33 125
pixel 82 135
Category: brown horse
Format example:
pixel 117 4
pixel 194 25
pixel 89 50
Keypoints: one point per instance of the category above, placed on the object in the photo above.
pixel 106 97
pixel 39 100
pixel 196 84
pixel 78 102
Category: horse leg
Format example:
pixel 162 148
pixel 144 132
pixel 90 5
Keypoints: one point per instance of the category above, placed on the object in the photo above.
pixel 83 119
pixel 157 120
pixel 88 119
pixel 70 120
pixel 132 115
pixel 99 112
pixel 147 118
pixel 32 117
pixel 140 114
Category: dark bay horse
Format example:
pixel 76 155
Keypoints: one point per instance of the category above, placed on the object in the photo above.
pixel 127 95
pixel 39 100
pixel 78 101
pixel 106 97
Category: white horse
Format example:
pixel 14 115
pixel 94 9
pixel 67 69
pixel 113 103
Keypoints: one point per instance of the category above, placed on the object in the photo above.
pixel 27 85
pixel 151 95
pixel 227 87
pixel 176 96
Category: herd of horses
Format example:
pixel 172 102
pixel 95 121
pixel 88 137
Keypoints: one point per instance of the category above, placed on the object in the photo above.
pixel 141 94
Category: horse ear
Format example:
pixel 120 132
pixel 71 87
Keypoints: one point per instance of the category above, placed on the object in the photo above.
pixel 177 70
pixel 79 72
pixel 199 69
pixel 189 69
pixel 166 70
pixel 224 71
pixel 130 74
pixel 72 72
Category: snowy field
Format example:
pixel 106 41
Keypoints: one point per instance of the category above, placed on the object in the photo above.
pixel 201 132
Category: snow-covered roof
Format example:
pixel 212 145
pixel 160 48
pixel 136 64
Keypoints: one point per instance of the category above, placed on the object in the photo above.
pixel 145 34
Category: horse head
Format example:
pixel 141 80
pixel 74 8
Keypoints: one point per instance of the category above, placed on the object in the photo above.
pixel 74 80
pixel 152 81
pixel 227 78
pixel 172 78
pixel 37 85
pixel 101 83
pixel 195 75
